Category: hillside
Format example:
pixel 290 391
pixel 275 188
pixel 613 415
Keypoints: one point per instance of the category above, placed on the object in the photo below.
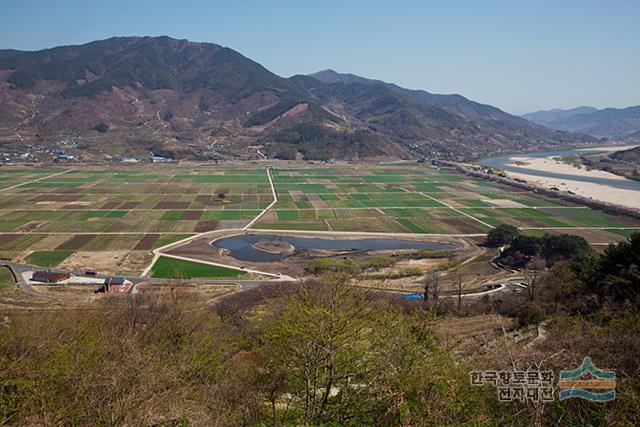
pixel 465 128
pixel 631 156
pixel 142 95
pixel 605 123
pixel 632 137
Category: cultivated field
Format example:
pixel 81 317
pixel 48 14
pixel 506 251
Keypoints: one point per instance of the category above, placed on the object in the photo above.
pixel 65 217
pixel 418 199
pixel 112 218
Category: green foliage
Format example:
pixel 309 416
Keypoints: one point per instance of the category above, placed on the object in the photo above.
pixel 587 282
pixel 282 151
pixel 265 116
pixel 347 265
pixel 552 248
pixel 174 362
pixel 22 79
pixel 6 279
pixel 172 216
pixel 318 353
pixel 410 271
pixel 530 314
pixel 318 142
pixel 171 268
pixel 357 365
pixel 378 262
pixel 617 273
pixel 101 127
pixel 324 265
pixel 501 235
pixel 434 253
pixel 48 258
pixel 527 245
pixel 563 247
pixel 89 367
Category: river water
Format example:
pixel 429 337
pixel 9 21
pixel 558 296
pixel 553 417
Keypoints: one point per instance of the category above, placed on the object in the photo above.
pixel 506 163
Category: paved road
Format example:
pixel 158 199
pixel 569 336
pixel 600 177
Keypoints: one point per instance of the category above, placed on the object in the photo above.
pixel 18 269
pixel 35 180
pixel 162 251
pixel 512 284
pixel 504 285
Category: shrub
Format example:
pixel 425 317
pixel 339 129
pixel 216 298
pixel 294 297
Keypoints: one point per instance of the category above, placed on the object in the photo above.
pixel 501 235
pixel 101 127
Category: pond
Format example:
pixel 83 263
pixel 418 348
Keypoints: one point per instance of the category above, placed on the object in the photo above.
pixel 242 247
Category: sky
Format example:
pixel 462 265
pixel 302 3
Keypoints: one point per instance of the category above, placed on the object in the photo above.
pixel 520 56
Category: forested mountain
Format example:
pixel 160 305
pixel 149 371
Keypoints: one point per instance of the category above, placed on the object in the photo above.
pixel 139 94
pixel 608 122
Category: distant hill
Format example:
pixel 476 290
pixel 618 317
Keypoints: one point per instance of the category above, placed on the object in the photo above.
pixel 607 123
pixel 631 155
pixel 547 117
pixel 160 94
pixel 449 123
pixel 632 137
pixel 135 95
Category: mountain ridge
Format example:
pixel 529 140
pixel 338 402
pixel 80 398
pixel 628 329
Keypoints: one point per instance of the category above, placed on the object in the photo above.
pixel 159 94
pixel 605 122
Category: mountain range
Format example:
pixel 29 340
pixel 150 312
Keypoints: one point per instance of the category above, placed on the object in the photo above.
pixel 134 95
pixel 605 123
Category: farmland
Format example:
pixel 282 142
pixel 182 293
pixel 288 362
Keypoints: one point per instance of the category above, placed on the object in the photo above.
pixel 178 269
pixel 419 200
pixel 51 217
pixel 67 217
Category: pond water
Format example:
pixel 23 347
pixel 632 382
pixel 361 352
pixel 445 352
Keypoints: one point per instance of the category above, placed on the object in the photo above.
pixel 241 247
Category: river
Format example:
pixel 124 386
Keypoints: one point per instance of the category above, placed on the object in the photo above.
pixel 541 169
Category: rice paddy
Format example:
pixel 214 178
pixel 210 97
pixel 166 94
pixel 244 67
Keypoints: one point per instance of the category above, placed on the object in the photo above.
pixel 49 214
pixel 170 268
pixel 417 199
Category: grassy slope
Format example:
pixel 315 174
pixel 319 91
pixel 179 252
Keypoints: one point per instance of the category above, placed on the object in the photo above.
pixel 170 268
pixel 48 258
pixel 6 279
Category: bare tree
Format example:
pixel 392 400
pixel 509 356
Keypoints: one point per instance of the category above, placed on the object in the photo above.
pixel 532 273
pixel 432 289
pixel 460 285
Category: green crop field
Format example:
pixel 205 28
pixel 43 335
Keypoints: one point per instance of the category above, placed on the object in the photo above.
pixel 125 212
pixel 413 199
pixel 170 268
pixel 172 216
pixel 129 211
pixel 169 239
pixel 47 258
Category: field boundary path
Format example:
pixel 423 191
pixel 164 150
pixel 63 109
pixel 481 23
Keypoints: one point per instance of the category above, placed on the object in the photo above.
pixel 274 194
pixel 160 252
pixel 35 180
pixel 365 234
pixel 457 210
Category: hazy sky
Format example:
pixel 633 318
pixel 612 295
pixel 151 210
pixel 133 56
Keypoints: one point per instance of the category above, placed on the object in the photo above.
pixel 519 56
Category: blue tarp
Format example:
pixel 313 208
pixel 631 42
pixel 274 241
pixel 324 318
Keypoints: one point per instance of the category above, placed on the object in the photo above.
pixel 413 296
